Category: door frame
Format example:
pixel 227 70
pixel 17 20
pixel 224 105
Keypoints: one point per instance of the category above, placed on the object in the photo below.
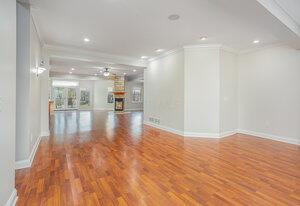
pixel 77 89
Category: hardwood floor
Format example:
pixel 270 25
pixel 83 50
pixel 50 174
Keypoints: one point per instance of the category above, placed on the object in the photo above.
pixel 99 158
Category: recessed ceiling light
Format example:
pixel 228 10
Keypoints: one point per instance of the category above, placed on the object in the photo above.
pixel 124 73
pixel 95 74
pixel 70 72
pixel 256 41
pixel 144 57
pixel 72 69
pixel 86 39
pixel 134 70
pixel 173 17
pixel 100 71
pixel 203 38
pixel 159 50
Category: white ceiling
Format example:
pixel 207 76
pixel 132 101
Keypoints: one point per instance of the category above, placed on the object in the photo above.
pixel 134 28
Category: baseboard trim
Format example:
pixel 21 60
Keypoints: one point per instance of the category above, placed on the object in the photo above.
pixel 228 133
pixel 168 129
pixel 28 162
pixel 103 109
pixel 134 110
pixel 45 133
pixel 201 135
pixel 12 199
pixel 191 134
pixel 269 136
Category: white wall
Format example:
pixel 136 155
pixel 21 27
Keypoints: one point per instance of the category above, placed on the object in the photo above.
pixel 129 86
pixel 28 116
pixel 269 93
pixel 164 91
pixel 23 82
pixel 100 94
pixel 35 85
pixel 7 98
pixel 201 82
pixel 44 92
pixel 228 92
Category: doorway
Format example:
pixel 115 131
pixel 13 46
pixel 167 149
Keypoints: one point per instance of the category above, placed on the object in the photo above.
pixel 65 98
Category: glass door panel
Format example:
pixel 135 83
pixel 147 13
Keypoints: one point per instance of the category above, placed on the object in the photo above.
pixel 59 98
pixel 84 98
pixel 71 98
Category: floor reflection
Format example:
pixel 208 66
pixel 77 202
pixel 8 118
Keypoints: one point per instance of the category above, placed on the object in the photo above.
pixel 106 123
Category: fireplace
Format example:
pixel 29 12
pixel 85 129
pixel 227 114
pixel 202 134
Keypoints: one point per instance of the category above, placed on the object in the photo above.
pixel 119 101
pixel 119 104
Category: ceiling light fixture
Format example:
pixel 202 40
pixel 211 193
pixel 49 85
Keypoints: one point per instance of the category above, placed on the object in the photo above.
pixel 95 74
pixel 106 73
pixel 134 70
pixel 100 71
pixel 124 73
pixel 72 69
pixel 203 38
pixel 159 50
pixel 256 41
pixel 144 57
pixel 174 17
pixel 70 72
pixel 86 39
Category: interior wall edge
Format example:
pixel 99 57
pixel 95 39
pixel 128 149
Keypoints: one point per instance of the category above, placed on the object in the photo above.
pixel 12 201
pixel 21 164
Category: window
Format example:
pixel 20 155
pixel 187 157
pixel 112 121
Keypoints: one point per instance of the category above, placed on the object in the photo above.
pixel 136 95
pixel 110 95
pixel 84 97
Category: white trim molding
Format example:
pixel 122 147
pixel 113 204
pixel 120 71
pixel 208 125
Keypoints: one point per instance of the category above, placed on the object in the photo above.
pixel 45 133
pixel 228 133
pixel 103 109
pixel 164 54
pixel 270 136
pixel 12 199
pixel 191 134
pixel 165 128
pixel 28 162
pixel 201 135
pixel 74 53
pixel 280 13
pixel 140 109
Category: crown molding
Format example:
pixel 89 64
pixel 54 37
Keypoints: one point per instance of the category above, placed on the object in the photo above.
pixel 74 53
pixel 35 24
pixel 276 10
pixel 211 46
pixel 167 53
pixel 264 47
pixel 187 47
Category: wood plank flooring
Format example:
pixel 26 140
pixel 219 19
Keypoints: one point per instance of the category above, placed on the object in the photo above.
pixel 99 158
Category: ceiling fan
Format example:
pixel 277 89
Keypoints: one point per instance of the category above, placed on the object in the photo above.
pixel 106 72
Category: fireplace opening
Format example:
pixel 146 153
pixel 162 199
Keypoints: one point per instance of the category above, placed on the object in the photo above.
pixel 119 104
